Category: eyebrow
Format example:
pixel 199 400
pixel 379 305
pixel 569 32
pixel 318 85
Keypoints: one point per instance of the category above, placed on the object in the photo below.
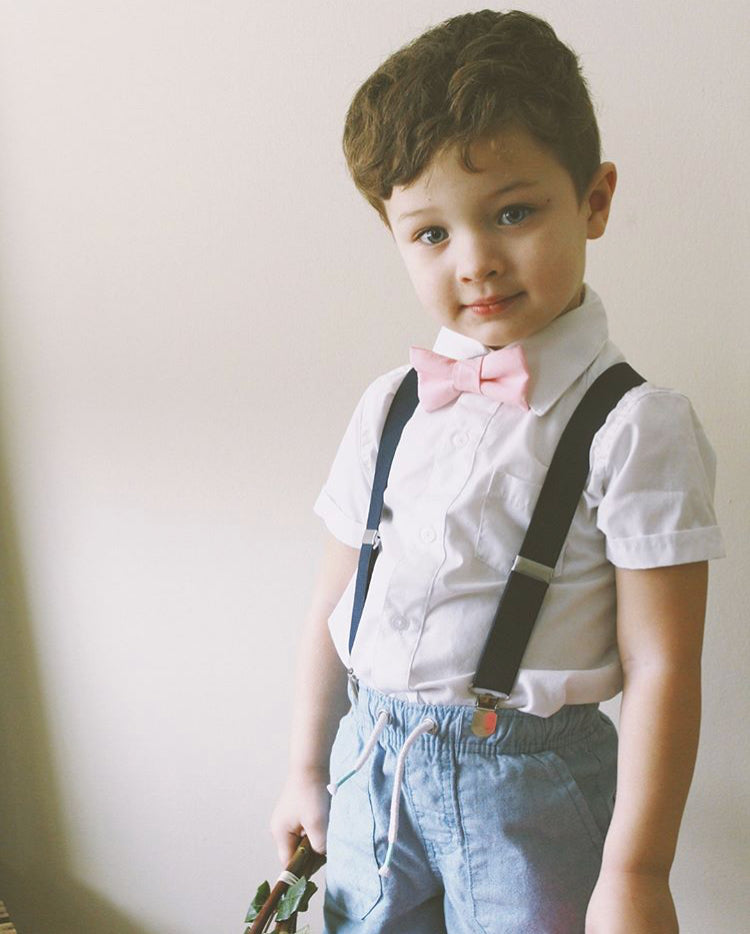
pixel 504 190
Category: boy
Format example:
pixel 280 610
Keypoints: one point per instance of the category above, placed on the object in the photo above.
pixel 478 146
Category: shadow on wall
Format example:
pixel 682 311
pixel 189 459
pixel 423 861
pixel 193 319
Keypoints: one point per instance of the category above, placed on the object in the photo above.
pixel 41 895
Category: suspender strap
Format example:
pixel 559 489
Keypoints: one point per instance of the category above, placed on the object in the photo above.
pixel 401 410
pixel 553 513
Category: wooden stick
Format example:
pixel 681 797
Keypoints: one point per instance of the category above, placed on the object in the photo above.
pixel 304 862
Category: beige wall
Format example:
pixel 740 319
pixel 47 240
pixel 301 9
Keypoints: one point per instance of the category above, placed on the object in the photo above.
pixel 192 296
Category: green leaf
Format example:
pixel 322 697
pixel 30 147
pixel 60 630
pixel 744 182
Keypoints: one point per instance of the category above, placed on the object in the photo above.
pixel 264 890
pixel 310 889
pixel 290 900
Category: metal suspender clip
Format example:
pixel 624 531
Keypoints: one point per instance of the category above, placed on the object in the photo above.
pixel 354 682
pixel 371 537
pixel 484 719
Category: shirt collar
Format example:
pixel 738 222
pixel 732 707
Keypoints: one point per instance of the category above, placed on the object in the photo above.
pixel 557 355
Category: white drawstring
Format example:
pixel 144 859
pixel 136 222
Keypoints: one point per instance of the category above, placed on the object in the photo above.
pixel 380 723
pixel 426 726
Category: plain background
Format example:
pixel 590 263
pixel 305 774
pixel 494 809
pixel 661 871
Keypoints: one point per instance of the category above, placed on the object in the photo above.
pixel 192 298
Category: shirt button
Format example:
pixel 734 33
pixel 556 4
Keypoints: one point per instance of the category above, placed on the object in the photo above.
pixel 399 623
pixel 460 439
pixel 427 535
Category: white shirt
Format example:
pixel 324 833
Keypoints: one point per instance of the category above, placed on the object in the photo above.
pixel 461 491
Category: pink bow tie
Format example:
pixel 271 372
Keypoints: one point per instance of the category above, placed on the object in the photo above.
pixel 501 375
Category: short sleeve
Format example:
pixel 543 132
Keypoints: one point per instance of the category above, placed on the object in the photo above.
pixel 344 501
pixel 654 470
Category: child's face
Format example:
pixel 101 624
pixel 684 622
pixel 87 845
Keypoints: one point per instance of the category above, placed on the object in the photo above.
pixel 499 253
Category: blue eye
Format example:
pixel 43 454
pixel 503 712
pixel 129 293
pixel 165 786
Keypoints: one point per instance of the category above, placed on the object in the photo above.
pixel 432 236
pixel 514 214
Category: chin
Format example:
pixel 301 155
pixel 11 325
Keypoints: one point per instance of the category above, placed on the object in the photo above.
pixel 493 336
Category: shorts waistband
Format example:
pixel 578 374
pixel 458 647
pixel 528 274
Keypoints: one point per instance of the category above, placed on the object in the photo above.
pixel 516 732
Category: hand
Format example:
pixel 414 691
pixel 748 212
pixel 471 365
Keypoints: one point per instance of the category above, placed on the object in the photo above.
pixel 631 903
pixel 302 807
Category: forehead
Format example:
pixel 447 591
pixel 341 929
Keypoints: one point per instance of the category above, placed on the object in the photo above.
pixel 508 160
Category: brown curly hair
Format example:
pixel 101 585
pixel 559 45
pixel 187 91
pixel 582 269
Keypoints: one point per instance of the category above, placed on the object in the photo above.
pixel 466 78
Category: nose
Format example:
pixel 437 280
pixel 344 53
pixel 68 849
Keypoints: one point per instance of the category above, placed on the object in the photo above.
pixel 478 258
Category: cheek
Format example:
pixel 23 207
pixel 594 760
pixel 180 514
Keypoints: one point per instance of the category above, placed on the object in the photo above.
pixel 428 281
pixel 555 259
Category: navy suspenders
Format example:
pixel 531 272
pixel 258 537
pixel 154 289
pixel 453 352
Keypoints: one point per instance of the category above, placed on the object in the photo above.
pixel 401 410
pixel 533 567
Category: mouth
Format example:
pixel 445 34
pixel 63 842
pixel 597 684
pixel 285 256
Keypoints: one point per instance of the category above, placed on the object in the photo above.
pixel 492 305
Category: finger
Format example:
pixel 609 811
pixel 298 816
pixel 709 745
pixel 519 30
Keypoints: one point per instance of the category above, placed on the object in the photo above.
pixel 316 833
pixel 288 844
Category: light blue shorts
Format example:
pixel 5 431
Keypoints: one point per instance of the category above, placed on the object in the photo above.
pixel 500 835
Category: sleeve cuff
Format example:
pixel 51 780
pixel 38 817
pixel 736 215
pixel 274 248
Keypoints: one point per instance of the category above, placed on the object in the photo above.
pixel 654 551
pixel 339 525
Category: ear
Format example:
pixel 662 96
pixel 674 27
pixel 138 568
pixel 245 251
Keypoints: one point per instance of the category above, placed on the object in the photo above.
pixel 598 199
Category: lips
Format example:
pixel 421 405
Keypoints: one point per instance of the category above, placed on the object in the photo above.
pixel 492 304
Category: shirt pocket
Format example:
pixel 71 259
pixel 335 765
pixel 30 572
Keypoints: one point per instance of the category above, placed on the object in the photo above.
pixel 504 519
